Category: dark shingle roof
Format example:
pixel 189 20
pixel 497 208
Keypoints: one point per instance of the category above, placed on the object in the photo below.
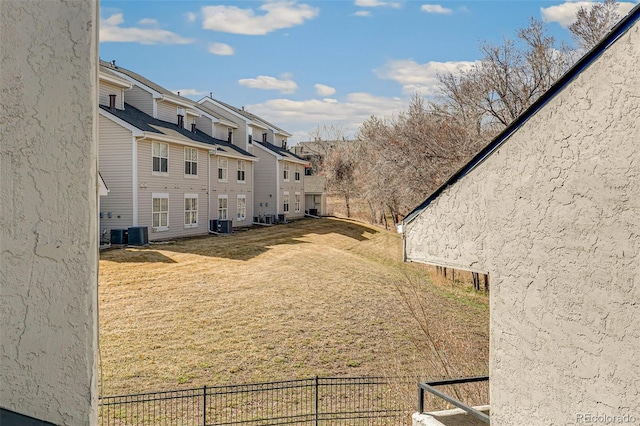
pixel 146 123
pixel 248 115
pixel 622 27
pixel 281 151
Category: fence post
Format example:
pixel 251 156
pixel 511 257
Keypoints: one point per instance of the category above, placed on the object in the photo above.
pixel 204 405
pixel 316 406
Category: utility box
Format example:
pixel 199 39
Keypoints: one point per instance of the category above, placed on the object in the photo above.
pixel 138 235
pixel 225 226
pixel 119 236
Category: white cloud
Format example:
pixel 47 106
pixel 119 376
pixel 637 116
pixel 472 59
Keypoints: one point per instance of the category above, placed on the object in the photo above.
pixel 565 13
pixel 280 14
pixel 363 13
pixel 265 82
pixel 421 78
pixel 324 90
pixel 111 31
pixel 378 3
pixel 435 8
pixel 189 92
pixel 191 17
pixel 221 49
pixel 148 21
pixel 301 117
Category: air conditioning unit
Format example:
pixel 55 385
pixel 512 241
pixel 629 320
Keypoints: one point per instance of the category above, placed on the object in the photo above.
pixel 138 235
pixel 221 226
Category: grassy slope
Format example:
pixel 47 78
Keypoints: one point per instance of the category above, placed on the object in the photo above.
pixel 311 297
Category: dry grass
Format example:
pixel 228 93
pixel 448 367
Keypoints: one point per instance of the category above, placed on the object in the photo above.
pixel 312 297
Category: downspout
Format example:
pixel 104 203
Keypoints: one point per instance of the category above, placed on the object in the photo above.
pixel 134 181
pixel 211 153
pixel 209 192
pixel 253 207
pixel 278 177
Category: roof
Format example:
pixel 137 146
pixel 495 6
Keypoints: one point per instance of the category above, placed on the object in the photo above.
pixel 281 151
pixel 622 27
pixel 146 123
pixel 250 116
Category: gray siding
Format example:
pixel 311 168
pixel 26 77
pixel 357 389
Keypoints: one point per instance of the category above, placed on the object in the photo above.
pixel 239 134
pixel 169 112
pixel 292 187
pixel 553 217
pixel 174 183
pixel 232 188
pixel 265 196
pixel 204 124
pixel 139 99
pixel 115 164
pixel 107 89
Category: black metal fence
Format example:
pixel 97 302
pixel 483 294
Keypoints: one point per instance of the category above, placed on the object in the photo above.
pixel 315 401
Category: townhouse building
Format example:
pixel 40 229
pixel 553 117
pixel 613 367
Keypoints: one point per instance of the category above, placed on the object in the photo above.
pixel 279 173
pixel 162 164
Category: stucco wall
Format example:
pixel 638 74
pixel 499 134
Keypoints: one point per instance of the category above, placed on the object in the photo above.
pixel 554 217
pixel 48 210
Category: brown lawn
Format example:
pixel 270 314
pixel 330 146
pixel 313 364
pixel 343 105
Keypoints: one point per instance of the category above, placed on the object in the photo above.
pixel 322 297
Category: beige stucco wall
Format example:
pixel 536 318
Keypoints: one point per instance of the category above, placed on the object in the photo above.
pixel 48 210
pixel 554 217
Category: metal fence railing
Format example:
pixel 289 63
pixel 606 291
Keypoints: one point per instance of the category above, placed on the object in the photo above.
pixel 314 401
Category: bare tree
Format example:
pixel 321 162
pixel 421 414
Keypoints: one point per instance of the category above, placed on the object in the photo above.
pixel 593 23
pixel 339 169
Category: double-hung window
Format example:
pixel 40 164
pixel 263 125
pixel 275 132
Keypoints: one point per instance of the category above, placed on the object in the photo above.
pixel 297 174
pixel 160 211
pixel 242 170
pixel 223 207
pixel 223 165
pixel 190 210
pixel 160 153
pixel 286 202
pixel 297 202
pixel 242 207
pixel 285 169
pixel 191 161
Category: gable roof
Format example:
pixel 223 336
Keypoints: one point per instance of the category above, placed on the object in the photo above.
pixel 621 28
pixel 146 123
pixel 250 116
pixel 282 152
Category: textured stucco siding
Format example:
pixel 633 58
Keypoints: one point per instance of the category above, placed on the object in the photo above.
pixel 48 210
pixel 554 217
pixel 116 164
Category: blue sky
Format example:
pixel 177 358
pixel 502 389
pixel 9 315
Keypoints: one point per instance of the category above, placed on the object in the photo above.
pixel 303 64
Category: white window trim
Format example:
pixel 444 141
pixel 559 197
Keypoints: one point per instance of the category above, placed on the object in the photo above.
pixel 160 173
pixel 191 175
pixel 223 197
pixel 244 217
pixel 296 202
pixel 244 169
pixel 160 195
pixel 226 168
pixel 286 201
pixel 286 172
pixel 192 225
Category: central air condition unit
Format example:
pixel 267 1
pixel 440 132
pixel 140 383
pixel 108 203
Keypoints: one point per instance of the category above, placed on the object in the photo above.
pixel 119 236
pixel 138 235
pixel 220 226
pixel 225 227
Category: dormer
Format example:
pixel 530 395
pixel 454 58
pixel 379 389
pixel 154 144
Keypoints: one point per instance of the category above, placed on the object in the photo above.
pixel 111 89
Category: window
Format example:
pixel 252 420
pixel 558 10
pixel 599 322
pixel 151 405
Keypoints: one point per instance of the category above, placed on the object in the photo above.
pixel 190 210
pixel 250 140
pixel 222 169
pixel 285 168
pixel 242 207
pixel 297 202
pixel 229 134
pixel 264 138
pixel 286 202
pixel 160 211
pixel 160 153
pixel 191 161
pixel 297 174
pixel 242 169
pixel 223 207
